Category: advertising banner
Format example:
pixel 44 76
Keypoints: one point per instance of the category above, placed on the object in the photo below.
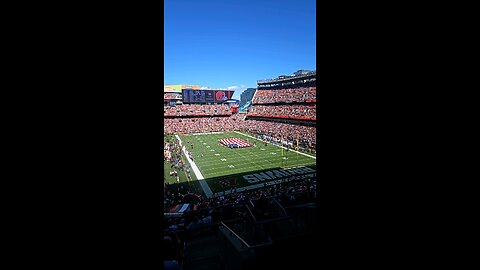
pixel 172 89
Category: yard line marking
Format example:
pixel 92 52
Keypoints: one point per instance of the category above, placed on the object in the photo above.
pixel 277 145
pixel 250 160
pixel 250 157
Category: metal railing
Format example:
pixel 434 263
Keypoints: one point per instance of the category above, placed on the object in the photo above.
pixel 236 235
pixel 251 214
pixel 281 207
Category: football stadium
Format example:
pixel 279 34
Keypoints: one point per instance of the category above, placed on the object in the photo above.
pixel 240 178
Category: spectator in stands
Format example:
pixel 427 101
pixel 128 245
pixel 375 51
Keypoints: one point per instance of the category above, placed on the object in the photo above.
pixel 171 259
pixel 285 111
pixel 303 94
pixel 272 131
pixel 198 110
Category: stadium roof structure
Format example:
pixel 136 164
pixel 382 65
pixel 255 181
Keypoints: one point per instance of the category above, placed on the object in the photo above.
pixel 233 101
pixel 283 78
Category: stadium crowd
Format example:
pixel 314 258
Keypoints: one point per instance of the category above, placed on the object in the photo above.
pixel 222 119
pixel 197 125
pixel 276 132
pixel 198 109
pixel 172 155
pixel 285 95
pixel 284 111
pixel 292 191
pixel 270 131
pixel 208 212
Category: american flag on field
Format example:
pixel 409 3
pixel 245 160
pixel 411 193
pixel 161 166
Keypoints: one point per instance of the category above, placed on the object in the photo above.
pixel 234 142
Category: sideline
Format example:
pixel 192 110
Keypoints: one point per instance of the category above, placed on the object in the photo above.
pixel 198 174
pixel 206 133
pixel 276 145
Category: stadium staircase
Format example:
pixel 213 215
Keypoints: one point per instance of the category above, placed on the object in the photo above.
pixel 266 234
pixel 258 235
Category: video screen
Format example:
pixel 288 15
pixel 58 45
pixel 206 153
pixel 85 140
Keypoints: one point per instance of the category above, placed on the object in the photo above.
pixel 204 96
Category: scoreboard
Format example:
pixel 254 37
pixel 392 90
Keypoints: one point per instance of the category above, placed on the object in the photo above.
pixel 205 96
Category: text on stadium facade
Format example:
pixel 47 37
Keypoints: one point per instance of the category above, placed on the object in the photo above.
pixel 275 174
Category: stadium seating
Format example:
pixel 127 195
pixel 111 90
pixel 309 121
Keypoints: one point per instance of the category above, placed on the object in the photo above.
pixel 302 94
pixel 198 125
pixel 284 111
pixel 281 116
pixel 274 131
pixel 198 110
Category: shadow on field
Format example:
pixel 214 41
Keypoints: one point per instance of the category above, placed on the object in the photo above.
pixel 226 182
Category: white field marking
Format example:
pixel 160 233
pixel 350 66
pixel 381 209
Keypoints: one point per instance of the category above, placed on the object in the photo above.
pixel 246 164
pixel 206 169
pixel 278 146
pixel 269 160
pixel 250 160
pixel 211 166
pixel 198 174
pixel 251 165
pixel 214 172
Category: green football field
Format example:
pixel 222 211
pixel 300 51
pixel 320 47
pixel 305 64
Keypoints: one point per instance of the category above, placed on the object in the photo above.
pixel 224 168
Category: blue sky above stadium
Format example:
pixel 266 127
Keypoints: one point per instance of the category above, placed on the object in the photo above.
pixel 232 44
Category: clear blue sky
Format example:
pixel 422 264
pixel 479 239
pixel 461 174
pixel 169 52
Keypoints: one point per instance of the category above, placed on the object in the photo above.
pixel 226 43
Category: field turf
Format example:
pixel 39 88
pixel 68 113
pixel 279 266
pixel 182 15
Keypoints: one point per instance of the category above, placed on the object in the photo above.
pixel 219 164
